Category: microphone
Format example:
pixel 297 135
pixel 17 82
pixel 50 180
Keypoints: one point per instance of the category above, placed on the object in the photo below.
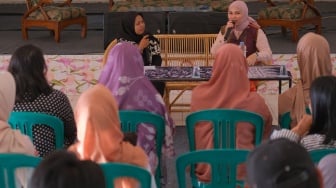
pixel 228 31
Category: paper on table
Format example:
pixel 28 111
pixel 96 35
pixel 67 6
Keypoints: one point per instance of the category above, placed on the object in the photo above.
pixel 149 67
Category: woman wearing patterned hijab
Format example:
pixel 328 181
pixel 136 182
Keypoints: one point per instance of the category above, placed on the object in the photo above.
pixel 313 54
pixel 124 75
pixel 245 29
pixel 229 88
pixel 100 138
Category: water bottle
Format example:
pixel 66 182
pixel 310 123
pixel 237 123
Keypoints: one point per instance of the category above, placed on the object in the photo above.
pixel 242 46
pixel 196 72
pixel 283 70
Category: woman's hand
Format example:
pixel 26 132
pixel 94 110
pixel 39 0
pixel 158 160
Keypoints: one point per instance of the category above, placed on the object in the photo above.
pixel 251 59
pixel 143 43
pixel 304 125
pixel 229 24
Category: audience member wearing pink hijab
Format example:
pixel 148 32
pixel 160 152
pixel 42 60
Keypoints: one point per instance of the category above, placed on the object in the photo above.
pixel 313 56
pixel 228 87
pixel 11 141
pixel 100 138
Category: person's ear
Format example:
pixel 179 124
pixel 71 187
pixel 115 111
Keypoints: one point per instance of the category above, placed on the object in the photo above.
pixel 319 178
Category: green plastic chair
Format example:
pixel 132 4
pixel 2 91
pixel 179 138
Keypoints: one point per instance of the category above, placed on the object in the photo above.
pixel 223 164
pixel 318 154
pixel 285 119
pixel 10 162
pixel 113 171
pixel 25 121
pixel 224 123
pixel 131 119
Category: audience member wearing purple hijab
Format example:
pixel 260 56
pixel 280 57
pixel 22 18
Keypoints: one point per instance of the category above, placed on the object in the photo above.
pixel 327 166
pixel 123 74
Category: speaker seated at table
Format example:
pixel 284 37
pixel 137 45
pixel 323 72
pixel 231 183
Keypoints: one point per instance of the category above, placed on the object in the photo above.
pixel 155 23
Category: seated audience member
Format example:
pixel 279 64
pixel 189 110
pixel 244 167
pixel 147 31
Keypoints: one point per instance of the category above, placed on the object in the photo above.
pixel 100 138
pixel 228 87
pixel 316 131
pixel 35 94
pixel 62 169
pixel 327 166
pixel 11 141
pixel 124 75
pixel 134 31
pixel 282 163
pixel 313 57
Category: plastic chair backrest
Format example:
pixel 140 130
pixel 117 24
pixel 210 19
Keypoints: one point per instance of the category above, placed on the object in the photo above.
pixel 131 119
pixel 107 51
pixel 25 121
pixel 318 154
pixel 223 164
pixel 285 119
pixel 9 162
pixel 224 124
pixel 113 171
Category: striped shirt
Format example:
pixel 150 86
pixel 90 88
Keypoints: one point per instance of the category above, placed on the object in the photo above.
pixel 310 142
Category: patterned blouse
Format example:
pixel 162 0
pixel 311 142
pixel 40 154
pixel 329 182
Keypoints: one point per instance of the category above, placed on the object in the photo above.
pixel 57 104
pixel 154 50
pixel 310 142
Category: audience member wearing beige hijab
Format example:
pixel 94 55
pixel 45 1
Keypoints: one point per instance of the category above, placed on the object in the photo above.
pixel 313 56
pixel 11 141
pixel 100 138
pixel 228 87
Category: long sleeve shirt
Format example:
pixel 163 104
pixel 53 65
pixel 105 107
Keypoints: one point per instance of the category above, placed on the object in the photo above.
pixel 264 50
pixel 310 142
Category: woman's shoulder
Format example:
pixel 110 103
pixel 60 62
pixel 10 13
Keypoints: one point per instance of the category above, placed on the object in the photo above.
pixel 153 38
pixel 58 95
pixel 125 40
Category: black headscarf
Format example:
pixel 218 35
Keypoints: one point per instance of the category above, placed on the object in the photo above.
pixel 127 25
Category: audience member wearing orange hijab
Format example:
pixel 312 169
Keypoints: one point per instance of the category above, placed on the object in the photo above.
pixel 313 56
pixel 228 87
pixel 100 138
